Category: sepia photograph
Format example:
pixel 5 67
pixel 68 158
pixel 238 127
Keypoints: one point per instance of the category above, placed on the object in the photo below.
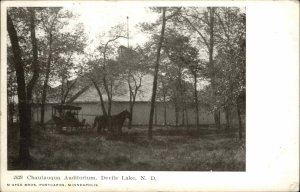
pixel 97 88
pixel 149 96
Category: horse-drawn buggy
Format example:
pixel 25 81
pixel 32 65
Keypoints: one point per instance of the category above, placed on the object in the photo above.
pixel 65 118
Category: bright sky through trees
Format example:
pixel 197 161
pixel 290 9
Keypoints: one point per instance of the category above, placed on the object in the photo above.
pixel 99 18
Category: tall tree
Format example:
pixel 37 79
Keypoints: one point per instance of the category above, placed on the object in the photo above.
pixel 202 21
pixel 107 64
pixel 184 57
pixel 231 62
pixel 163 93
pixel 54 21
pixel 156 72
pixel 105 70
pixel 24 93
pixel 133 62
pixel 51 20
pixel 95 74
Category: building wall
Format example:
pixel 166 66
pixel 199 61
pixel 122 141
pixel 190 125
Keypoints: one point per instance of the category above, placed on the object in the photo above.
pixel 140 113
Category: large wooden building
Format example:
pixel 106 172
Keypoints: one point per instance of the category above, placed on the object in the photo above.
pixel 90 103
pixel 140 113
pixel 88 99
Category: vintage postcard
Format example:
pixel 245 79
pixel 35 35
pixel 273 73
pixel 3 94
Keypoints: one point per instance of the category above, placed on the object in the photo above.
pixel 149 96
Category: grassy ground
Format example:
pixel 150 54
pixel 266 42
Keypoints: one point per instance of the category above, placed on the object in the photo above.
pixel 171 149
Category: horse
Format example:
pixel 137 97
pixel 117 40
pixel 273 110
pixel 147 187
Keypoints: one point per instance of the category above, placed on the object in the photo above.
pixel 113 123
pixel 117 122
pixel 101 123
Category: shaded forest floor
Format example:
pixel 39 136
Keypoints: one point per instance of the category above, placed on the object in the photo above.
pixel 171 149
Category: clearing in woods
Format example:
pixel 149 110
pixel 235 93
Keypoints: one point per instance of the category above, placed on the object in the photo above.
pixel 171 149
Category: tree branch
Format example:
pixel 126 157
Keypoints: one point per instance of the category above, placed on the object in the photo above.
pixel 223 26
pixel 190 23
pixel 100 95
pixel 69 88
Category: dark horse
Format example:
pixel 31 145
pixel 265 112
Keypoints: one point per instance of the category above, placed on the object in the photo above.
pixel 114 123
pixel 101 123
pixel 117 122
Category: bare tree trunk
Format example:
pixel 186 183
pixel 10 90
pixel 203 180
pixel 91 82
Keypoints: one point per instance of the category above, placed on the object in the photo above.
pixel 131 113
pixel 177 117
pixel 45 86
pixel 155 114
pixel 156 72
pixel 182 116
pixel 110 100
pixel 101 98
pixel 227 118
pixel 109 97
pixel 196 101
pixel 25 127
pixel 37 113
pixel 62 90
pixel 109 107
pixel 165 111
pixel 211 62
pixel 164 99
pixel 240 121
pixel 132 102
pixel 176 114
pixel 181 95
pixel 35 67
pixel 186 117
pixel 219 120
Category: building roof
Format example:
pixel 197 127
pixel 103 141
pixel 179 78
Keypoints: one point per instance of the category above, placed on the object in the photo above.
pixel 91 94
pixel 80 93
